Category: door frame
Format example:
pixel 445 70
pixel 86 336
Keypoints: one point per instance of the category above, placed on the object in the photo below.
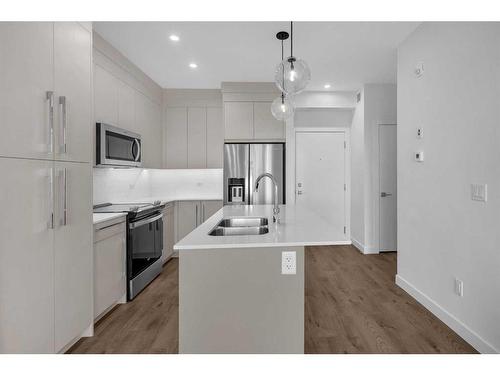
pixel 292 184
pixel 377 189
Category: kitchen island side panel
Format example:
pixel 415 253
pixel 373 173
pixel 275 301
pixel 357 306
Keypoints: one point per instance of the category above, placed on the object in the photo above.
pixel 237 301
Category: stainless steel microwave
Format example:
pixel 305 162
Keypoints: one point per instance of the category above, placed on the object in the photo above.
pixel 117 147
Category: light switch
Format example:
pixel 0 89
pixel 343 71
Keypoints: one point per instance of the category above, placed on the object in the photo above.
pixel 479 192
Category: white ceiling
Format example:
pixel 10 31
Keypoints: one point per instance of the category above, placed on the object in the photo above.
pixel 344 54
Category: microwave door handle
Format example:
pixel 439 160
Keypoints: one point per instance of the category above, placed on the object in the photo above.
pixel 138 155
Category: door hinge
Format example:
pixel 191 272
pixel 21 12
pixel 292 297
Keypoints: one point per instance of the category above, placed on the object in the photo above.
pixel 345 188
pixel 344 229
pixel 344 144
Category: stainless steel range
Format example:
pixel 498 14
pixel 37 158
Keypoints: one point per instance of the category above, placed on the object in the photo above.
pixel 144 242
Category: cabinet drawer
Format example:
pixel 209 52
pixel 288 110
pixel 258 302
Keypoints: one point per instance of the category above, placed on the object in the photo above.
pixel 108 231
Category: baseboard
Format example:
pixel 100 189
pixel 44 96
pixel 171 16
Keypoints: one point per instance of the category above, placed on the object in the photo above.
pixel 456 325
pixel 364 249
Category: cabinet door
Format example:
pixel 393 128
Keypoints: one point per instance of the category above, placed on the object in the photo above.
pixel 238 120
pixel 188 213
pixel 106 88
pixel 176 137
pixel 215 137
pixel 197 137
pixel 26 74
pixel 126 108
pixel 26 257
pixel 73 251
pixel 209 208
pixel 109 268
pixel 265 125
pixel 73 88
pixel 168 232
pixel 148 124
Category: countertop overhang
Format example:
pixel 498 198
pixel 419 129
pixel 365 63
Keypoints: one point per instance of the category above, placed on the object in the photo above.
pixel 299 226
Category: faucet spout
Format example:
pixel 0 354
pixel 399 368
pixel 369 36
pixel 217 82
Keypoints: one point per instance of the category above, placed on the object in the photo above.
pixel 276 208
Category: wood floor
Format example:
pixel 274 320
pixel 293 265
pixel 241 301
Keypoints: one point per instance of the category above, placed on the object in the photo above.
pixel 351 306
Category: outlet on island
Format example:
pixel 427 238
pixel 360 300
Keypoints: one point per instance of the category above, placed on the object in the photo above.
pixel 288 263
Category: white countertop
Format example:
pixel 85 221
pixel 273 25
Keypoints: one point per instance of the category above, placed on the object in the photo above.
pixel 102 217
pixel 299 227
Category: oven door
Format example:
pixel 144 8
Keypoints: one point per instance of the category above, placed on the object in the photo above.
pixel 146 237
pixel 117 146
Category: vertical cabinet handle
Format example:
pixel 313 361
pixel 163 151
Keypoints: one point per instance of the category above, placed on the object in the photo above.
pixel 50 120
pixel 203 212
pixel 196 224
pixel 64 124
pixel 51 199
pixel 65 197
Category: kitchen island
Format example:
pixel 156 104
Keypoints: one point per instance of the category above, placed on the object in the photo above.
pixel 244 293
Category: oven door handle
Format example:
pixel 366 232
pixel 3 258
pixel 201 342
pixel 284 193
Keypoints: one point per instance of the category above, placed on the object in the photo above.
pixel 148 220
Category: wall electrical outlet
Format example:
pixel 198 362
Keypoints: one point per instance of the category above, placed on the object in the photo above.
pixel 288 263
pixel 459 287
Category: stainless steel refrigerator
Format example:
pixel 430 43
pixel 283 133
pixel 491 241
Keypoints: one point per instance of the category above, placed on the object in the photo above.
pixel 243 163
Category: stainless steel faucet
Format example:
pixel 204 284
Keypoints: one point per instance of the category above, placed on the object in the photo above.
pixel 276 209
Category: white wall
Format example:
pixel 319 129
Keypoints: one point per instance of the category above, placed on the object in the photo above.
pixel 377 106
pixel 136 184
pixel 358 174
pixel 442 233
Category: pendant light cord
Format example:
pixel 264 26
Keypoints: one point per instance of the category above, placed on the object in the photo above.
pixel 291 38
pixel 282 57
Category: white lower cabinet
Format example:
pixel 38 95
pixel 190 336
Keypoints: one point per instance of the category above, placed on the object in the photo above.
pixel 168 231
pixel 190 214
pixel 110 260
pixel 45 254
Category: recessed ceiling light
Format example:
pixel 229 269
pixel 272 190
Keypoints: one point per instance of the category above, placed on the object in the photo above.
pixel 327 86
pixel 174 38
pixel 193 65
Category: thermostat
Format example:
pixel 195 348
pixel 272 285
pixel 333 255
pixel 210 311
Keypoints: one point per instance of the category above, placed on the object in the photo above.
pixel 419 156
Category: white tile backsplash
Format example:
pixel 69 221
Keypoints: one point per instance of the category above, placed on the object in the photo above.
pixel 134 185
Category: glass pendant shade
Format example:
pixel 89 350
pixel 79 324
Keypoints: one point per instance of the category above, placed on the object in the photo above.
pixel 292 75
pixel 282 108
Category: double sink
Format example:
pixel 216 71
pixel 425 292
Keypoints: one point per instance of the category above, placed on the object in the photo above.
pixel 241 226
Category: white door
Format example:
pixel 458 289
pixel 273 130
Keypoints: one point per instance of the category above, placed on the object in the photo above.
pixel 26 75
pixel 26 257
pixel 73 89
pixel 388 187
pixel 320 177
pixel 73 251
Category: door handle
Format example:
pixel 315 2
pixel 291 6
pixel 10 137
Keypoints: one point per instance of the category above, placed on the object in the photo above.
pixel 64 121
pixel 384 194
pixel 64 206
pixel 51 199
pixel 196 224
pixel 50 102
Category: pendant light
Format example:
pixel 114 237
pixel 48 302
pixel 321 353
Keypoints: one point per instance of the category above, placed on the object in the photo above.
pixel 292 74
pixel 282 107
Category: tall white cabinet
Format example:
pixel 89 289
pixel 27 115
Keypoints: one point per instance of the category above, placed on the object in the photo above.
pixel 46 185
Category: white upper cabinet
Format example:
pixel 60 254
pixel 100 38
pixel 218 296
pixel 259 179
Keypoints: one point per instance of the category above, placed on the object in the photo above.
pixel 148 125
pixel 106 87
pixel 176 137
pixel 266 127
pixel 238 120
pixel 197 135
pixel 73 91
pixel 215 137
pixel 26 75
pixel 127 108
